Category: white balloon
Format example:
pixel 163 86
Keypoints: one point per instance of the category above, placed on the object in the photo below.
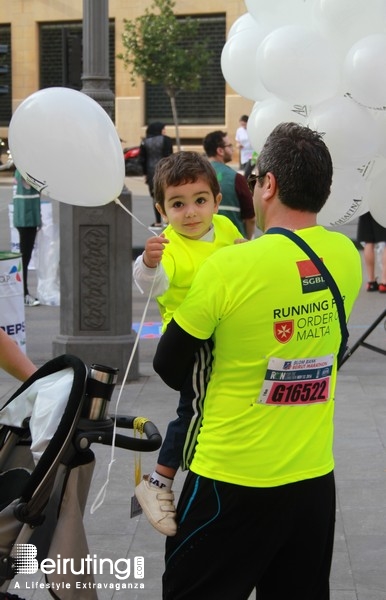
pixel 347 199
pixel 297 65
pixel 267 114
pixel 380 119
pixel 363 207
pixel 372 168
pixel 349 129
pixel 370 171
pixel 346 21
pixel 364 71
pixel 246 21
pixel 238 63
pixel 377 198
pixel 65 144
pixel 276 13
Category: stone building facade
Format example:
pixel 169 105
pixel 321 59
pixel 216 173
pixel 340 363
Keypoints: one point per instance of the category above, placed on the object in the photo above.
pixel 41 46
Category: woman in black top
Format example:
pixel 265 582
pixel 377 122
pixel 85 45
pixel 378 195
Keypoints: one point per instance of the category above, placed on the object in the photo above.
pixel 155 146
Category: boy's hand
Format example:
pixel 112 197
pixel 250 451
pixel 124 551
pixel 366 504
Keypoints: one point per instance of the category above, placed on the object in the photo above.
pixel 154 249
pixel 240 240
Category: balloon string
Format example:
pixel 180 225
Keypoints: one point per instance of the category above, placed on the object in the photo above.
pixel 117 201
pixel 100 498
pixel 102 492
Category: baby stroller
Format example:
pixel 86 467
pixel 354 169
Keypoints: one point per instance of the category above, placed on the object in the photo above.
pixel 46 467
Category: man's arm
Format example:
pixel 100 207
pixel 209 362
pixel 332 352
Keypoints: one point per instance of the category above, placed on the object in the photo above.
pixel 247 211
pixel 250 228
pixel 174 355
pixel 13 360
pixel 168 146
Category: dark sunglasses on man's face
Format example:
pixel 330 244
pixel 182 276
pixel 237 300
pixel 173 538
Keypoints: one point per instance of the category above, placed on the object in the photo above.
pixel 251 181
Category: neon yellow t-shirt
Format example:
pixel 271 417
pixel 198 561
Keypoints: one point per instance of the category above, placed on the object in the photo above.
pixel 268 309
pixel 183 256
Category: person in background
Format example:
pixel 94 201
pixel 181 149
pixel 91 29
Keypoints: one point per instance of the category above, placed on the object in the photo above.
pixel 13 360
pixel 187 195
pixel 251 165
pixel 257 509
pixel 27 220
pixel 372 233
pixel 155 146
pixel 243 143
pixel 237 203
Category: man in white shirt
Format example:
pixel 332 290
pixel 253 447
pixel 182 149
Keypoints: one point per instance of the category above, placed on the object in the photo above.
pixel 243 143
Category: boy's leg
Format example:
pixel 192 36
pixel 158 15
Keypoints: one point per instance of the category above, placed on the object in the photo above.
pixel 154 492
pixel 158 506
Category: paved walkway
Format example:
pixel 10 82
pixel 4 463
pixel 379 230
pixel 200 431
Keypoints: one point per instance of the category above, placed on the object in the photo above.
pixel 359 567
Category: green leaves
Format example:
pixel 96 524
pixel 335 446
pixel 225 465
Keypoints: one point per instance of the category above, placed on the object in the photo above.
pixel 161 48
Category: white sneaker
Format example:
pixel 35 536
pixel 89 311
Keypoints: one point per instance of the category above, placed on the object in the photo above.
pixel 158 506
pixel 30 301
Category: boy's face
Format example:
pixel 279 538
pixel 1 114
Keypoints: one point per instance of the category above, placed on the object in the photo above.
pixel 189 208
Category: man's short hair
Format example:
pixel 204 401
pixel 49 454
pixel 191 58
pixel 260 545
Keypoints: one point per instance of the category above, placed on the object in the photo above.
pixel 212 141
pixel 301 163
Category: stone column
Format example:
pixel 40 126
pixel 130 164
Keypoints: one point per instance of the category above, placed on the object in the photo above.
pixel 96 243
pixel 95 77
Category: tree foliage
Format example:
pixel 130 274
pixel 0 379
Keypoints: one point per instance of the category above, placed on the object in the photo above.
pixel 162 49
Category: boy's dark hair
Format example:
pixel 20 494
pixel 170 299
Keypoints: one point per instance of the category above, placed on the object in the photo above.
pixel 301 163
pixel 183 167
pixel 212 141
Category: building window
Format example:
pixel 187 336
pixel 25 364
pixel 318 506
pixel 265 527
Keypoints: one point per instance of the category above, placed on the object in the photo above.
pixel 206 105
pixel 61 55
pixel 5 75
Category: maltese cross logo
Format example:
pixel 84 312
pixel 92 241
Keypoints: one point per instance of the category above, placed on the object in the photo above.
pixel 283 330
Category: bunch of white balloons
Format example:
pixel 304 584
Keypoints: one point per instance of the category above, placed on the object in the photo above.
pixel 320 63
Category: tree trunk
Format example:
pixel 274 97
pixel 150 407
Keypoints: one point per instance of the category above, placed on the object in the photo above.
pixel 175 118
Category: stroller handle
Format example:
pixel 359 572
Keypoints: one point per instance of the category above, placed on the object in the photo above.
pixel 102 433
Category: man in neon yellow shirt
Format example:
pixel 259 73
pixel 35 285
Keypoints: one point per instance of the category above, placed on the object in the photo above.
pixel 257 510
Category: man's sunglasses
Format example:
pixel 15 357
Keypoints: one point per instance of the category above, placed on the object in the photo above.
pixel 251 181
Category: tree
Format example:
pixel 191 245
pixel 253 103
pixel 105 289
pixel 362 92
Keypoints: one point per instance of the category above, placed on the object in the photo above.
pixel 163 49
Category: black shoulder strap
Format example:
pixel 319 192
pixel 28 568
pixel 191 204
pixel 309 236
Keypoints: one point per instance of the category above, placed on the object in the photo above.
pixel 328 278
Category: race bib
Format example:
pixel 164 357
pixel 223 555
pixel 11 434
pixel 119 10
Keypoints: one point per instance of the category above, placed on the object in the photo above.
pixel 297 382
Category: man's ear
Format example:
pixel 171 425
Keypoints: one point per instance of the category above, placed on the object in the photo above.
pixel 270 184
pixel 217 201
pixel 220 152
